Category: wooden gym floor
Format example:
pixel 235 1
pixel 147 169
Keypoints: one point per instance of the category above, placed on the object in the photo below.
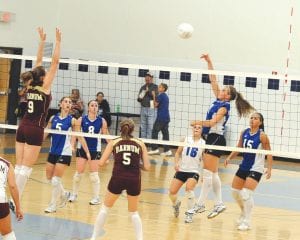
pixel 276 213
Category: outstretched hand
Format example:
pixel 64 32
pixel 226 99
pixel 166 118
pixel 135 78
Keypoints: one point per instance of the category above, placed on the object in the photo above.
pixel 42 34
pixel 58 35
pixel 205 57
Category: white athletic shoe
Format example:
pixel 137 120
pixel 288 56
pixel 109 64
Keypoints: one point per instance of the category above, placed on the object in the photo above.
pixel 95 201
pixel 72 197
pixel 50 209
pixel 156 151
pixel 167 153
pixel 176 208
pixel 216 210
pixel 196 209
pixel 188 217
pixel 244 226
pixel 63 199
pixel 240 219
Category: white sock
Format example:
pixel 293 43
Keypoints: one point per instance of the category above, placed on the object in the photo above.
pixel 94 177
pixel 236 194
pixel 22 178
pixel 76 182
pixel 17 169
pixel 56 190
pixel 247 195
pixel 137 224
pixel 100 220
pixel 216 184
pixel 10 236
pixel 190 199
pixel 206 186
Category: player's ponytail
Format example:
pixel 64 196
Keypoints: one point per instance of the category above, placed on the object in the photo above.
pixel 243 107
pixel 262 125
pixel 37 76
pixel 127 127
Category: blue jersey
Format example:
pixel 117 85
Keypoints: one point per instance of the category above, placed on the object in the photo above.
pixel 252 161
pixel 94 127
pixel 219 126
pixel 163 113
pixel 61 144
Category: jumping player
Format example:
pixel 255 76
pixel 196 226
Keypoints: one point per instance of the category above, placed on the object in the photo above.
pixel 30 133
pixel 213 131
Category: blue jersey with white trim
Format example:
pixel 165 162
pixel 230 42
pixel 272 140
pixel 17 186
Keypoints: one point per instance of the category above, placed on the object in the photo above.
pixel 93 127
pixel 212 111
pixel 60 143
pixel 252 161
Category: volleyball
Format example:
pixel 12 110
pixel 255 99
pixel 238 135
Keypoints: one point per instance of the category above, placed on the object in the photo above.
pixel 185 30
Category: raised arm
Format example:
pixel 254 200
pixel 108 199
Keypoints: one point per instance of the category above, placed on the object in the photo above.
pixel 14 192
pixel 40 53
pixel 266 146
pixel 210 123
pixel 54 63
pixel 212 77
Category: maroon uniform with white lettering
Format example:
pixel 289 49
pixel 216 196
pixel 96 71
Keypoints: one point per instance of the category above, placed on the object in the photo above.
pixel 4 168
pixel 126 172
pixel 31 128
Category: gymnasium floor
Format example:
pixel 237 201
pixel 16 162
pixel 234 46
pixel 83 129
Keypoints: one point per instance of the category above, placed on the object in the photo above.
pixel 276 213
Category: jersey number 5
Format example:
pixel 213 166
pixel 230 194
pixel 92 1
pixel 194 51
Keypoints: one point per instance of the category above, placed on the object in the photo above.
pixel 126 158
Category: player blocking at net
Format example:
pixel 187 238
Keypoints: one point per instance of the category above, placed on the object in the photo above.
pixel 251 168
pixel 30 133
pixel 213 132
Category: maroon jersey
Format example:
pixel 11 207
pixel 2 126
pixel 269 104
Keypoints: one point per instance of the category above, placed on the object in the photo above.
pixel 127 155
pixel 37 107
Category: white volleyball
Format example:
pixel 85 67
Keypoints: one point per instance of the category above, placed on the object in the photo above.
pixel 185 30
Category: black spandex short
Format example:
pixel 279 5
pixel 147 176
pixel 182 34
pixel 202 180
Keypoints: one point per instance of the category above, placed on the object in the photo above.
pixel 215 139
pixel 53 158
pixel 94 155
pixel 251 174
pixel 184 176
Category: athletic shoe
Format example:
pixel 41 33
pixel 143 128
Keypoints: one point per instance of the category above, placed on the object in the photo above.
pixel 95 201
pixel 63 199
pixel 176 208
pixel 216 210
pixel 72 197
pixel 50 209
pixel 167 153
pixel 12 206
pixel 244 226
pixel 188 217
pixel 156 151
pixel 196 209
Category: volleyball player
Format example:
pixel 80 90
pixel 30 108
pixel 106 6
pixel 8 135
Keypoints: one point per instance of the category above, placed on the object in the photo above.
pixel 213 130
pixel 7 176
pixel 187 163
pixel 251 169
pixel 61 153
pixel 94 124
pixel 128 154
pixel 29 135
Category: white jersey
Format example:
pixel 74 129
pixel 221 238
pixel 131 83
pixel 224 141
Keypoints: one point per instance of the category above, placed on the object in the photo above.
pixel 191 156
pixel 4 167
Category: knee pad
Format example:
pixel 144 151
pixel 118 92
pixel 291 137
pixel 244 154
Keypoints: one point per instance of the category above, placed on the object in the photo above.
pixel 104 209
pixel 25 171
pixel 207 174
pixel 94 177
pixel 9 236
pixel 190 194
pixel 77 177
pixel 55 181
pixel 246 194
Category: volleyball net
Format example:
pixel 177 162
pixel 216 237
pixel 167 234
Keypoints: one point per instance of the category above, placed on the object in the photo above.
pixel 275 96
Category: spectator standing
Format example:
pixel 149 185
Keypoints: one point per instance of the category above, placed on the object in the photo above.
pixel 104 109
